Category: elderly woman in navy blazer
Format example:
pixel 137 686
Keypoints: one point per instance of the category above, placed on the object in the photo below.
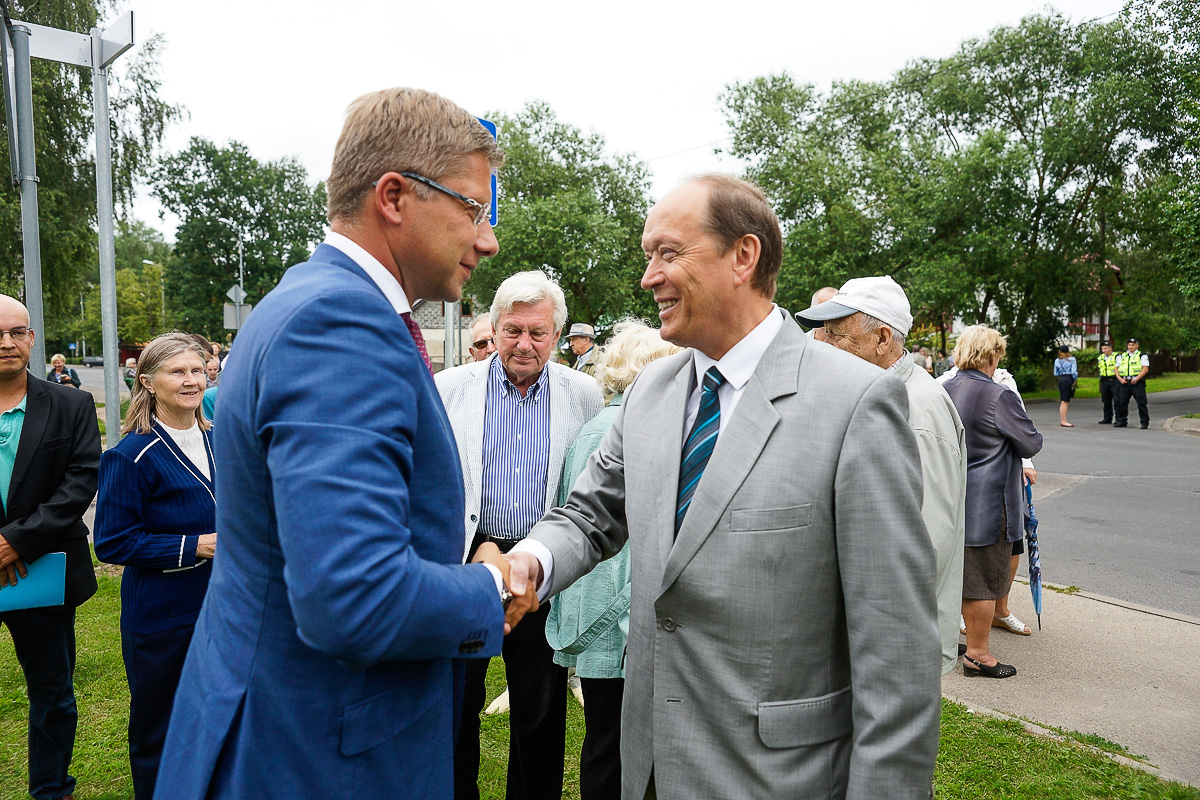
pixel 156 515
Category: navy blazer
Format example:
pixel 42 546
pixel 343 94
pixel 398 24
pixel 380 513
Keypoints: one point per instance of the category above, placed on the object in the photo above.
pixel 326 661
pixel 152 507
pixel 999 435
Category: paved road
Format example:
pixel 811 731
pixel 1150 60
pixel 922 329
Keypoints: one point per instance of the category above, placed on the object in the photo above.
pixel 1120 508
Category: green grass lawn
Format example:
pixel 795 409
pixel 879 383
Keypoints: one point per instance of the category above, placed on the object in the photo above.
pixel 980 757
pixel 1090 387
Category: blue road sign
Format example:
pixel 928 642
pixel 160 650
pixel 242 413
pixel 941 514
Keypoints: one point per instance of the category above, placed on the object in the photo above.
pixel 491 128
pixel 71 346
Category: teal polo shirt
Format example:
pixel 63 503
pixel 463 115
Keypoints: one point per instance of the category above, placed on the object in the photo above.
pixel 11 423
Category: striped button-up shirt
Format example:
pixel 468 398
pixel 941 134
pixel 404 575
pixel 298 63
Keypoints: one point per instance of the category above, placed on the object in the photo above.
pixel 516 455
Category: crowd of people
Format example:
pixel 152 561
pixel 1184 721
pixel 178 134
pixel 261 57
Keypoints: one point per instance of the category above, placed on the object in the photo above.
pixel 755 547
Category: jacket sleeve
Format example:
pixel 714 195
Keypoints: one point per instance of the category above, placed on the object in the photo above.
pixel 42 531
pixel 341 455
pixel 1015 424
pixel 886 561
pixel 120 535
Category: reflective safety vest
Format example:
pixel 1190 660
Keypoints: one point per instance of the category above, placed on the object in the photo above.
pixel 1108 365
pixel 1131 364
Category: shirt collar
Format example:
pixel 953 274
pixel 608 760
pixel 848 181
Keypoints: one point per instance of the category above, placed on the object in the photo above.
pixel 385 280
pixel 536 389
pixel 19 406
pixel 738 365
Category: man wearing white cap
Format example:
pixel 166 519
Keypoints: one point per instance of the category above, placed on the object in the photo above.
pixel 869 317
pixel 582 338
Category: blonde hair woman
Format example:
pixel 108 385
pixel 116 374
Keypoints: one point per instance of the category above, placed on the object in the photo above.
pixel 156 516
pixel 999 434
pixel 589 621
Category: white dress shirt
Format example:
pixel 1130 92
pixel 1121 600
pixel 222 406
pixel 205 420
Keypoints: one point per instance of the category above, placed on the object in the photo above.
pixel 737 366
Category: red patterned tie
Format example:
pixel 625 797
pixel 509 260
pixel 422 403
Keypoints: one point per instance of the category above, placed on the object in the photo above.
pixel 415 330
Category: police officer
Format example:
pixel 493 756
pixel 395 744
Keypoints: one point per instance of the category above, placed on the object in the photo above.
pixel 1107 363
pixel 1132 368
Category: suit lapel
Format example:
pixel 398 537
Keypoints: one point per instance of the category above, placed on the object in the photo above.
pixel 476 401
pixel 37 412
pixel 560 406
pixel 667 440
pixel 741 442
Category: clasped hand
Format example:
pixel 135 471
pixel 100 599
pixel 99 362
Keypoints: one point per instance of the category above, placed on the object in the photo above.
pixel 11 564
pixel 520 572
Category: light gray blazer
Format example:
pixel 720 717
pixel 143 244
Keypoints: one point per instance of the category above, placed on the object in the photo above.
pixel 786 643
pixel 574 399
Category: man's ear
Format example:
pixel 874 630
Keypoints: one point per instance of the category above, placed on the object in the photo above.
pixel 746 252
pixel 885 339
pixel 390 196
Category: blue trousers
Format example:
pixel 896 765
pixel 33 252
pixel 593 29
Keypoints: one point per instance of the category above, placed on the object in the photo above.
pixel 153 664
pixel 44 641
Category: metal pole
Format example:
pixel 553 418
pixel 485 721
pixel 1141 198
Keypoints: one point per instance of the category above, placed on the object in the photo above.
pixel 108 267
pixel 30 229
pixel 241 286
pixel 450 348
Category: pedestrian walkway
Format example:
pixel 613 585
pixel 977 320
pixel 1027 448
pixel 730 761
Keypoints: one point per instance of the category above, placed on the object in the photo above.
pixel 1128 673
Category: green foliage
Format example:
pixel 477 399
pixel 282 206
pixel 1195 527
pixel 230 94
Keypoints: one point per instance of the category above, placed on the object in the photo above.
pixel 1085 360
pixel 63 137
pixel 570 208
pixel 1028 378
pixel 983 182
pixel 273 207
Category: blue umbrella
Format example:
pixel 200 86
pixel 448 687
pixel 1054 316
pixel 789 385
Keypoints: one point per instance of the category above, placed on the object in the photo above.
pixel 1035 558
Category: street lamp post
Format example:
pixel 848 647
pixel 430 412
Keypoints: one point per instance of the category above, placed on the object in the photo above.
pixel 241 273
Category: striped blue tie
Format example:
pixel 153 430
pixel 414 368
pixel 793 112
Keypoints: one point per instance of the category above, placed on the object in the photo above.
pixel 700 443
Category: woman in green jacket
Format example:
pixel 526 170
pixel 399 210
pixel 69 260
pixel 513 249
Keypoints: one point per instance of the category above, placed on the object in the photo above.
pixel 589 621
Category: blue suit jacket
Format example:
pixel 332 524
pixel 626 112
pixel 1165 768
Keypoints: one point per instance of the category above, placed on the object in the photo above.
pixel 323 663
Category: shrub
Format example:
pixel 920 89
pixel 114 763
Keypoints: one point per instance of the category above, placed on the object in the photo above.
pixel 1029 379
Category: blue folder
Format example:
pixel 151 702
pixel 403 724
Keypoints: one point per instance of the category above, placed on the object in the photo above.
pixel 44 585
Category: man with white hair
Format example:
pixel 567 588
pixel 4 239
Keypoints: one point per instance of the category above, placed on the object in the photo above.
pixel 869 318
pixel 514 415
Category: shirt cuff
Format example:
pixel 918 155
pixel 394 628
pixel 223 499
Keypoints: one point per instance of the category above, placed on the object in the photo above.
pixel 497 577
pixel 544 557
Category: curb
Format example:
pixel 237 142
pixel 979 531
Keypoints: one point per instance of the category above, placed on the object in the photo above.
pixel 1038 730
pixel 1189 427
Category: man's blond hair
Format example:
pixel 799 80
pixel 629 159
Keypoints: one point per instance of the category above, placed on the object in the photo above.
pixel 977 346
pixel 402 130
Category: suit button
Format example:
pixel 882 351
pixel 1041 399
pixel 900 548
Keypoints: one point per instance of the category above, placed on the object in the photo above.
pixel 669 624
pixel 474 518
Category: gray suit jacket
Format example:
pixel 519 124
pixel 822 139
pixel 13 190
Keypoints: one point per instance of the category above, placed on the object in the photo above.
pixel 574 399
pixel 786 643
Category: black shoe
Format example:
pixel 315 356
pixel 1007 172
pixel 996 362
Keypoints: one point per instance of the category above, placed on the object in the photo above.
pixel 1106 422
pixel 962 650
pixel 1119 425
pixel 997 670
pixel 1145 427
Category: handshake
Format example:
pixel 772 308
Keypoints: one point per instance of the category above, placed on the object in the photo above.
pixel 522 573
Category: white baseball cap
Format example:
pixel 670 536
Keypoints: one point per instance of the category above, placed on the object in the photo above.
pixel 881 297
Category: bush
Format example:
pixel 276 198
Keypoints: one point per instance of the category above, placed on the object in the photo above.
pixel 1029 379
pixel 1086 360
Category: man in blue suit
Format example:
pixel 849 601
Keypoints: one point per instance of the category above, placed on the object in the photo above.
pixel 326 660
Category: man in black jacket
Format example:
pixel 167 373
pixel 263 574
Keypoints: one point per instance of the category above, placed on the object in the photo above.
pixel 49 460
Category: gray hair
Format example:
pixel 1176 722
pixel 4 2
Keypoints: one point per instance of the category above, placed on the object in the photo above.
pixel 529 288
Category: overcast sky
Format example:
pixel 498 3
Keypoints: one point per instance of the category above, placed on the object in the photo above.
pixel 646 75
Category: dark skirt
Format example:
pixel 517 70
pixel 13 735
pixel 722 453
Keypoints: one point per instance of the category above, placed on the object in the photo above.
pixel 1066 387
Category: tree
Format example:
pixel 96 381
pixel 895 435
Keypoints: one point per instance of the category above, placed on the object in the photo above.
pixel 980 181
pixel 63 133
pixel 570 208
pixel 277 213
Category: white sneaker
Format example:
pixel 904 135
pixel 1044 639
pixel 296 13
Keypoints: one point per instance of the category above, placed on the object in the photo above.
pixel 962 625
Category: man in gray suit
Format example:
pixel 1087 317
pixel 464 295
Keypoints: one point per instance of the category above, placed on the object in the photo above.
pixel 514 416
pixel 783 637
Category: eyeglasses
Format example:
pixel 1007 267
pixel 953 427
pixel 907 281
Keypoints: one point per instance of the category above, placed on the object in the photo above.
pixel 514 334
pixel 482 212
pixel 482 343
pixel 17 334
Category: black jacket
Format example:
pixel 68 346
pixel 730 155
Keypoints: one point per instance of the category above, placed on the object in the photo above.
pixel 53 482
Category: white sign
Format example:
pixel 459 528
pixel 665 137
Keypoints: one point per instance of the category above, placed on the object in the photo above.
pixel 236 313
pixel 236 294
